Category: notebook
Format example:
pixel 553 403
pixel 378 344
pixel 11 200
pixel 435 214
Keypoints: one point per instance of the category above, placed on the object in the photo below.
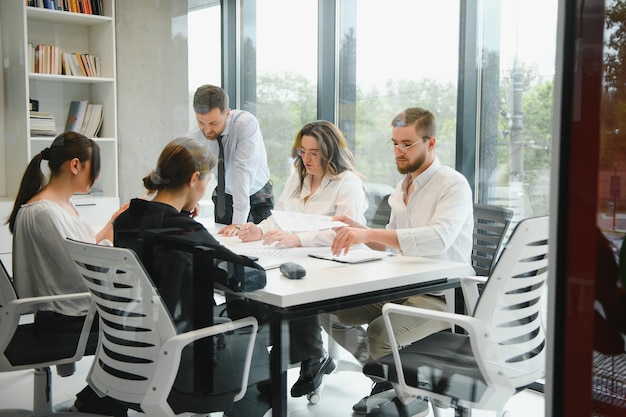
pixel 355 256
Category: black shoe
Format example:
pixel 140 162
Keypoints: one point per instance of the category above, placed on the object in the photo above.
pixel 265 387
pixel 106 406
pixel 377 388
pixel 311 373
pixel 394 408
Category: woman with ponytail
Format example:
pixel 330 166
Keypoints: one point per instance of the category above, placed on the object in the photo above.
pixel 175 186
pixel 42 217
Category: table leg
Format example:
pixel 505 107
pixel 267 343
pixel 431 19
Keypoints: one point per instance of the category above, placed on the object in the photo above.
pixel 279 363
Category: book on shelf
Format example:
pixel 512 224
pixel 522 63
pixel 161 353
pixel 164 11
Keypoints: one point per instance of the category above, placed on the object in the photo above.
pixel 83 65
pixel 50 59
pixel 92 124
pixel 79 59
pixel 76 115
pixel 45 59
pixel 84 118
pixel 75 6
pixel 42 124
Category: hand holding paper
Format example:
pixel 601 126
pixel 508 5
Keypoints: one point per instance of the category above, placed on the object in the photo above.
pixel 299 222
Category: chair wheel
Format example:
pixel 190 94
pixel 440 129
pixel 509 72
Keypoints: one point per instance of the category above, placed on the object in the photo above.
pixel 313 397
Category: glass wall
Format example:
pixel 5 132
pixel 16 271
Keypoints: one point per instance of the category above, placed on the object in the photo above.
pixel 392 56
pixel 517 46
pixel 278 81
pixel 204 47
pixel 485 69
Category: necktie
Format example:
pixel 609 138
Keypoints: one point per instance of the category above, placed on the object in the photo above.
pixel 221 184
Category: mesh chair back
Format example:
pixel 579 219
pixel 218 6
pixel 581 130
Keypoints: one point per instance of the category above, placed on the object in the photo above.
pixel 510 304
pixel 133 320
pixel 490 226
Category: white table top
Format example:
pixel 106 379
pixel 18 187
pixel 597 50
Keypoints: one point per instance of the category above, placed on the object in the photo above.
pixel 328 279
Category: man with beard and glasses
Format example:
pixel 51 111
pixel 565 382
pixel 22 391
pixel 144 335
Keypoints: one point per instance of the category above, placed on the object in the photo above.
pixel 431 216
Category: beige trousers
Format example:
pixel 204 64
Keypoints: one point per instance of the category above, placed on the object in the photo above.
pixel 346 327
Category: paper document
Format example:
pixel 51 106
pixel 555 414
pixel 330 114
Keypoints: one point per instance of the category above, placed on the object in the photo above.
pixel 355 256
pixel 268 258
pixel 298 222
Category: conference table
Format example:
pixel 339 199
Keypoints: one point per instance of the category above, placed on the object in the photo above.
pixel 331 286
pixel 328 286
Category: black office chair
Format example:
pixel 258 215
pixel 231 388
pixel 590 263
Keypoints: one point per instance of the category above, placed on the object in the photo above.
pixel 140 351
pixel 503 350
pixel 20 349
pixel 490 226
pixel 382 214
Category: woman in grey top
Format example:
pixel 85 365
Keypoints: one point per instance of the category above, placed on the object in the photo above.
pixel 43 216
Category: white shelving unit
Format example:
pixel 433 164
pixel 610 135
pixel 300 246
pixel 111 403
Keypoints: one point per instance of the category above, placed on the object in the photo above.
pixel 72 32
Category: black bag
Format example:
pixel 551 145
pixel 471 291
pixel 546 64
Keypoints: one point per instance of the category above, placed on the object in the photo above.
pixel 242 273
pixel 243 278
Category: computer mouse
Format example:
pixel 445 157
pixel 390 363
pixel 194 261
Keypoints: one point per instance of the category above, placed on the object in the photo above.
pixel 292 270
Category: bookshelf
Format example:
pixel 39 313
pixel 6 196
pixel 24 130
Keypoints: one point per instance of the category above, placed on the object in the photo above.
pixel 91 34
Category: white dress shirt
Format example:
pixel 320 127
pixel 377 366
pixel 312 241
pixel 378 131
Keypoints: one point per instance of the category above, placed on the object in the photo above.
pixel 245 160
pixel 438 220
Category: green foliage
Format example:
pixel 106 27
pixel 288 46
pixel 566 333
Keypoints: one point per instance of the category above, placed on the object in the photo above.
pixel 287 101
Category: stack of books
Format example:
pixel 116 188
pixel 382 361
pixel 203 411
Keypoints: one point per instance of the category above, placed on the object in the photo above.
pixel 84 118
pixel 42 124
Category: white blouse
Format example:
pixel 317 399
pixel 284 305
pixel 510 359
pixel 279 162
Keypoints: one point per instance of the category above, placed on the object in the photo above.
pixel 41 265
pixel 342 195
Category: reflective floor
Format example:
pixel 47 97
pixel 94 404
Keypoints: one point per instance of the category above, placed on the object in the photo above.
pixel 342 389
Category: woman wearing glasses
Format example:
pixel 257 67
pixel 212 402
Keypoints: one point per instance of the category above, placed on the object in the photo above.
pixel 324 182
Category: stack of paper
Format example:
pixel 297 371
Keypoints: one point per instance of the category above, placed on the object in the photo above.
pixel 42 124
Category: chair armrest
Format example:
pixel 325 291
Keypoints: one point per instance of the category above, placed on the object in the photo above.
pixel 470 324
pixel 21 306
pixel 469 286
pixel 11 313
pixel 170 357
pixel 475 328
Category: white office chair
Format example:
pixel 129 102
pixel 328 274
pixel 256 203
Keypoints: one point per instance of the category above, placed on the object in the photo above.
pixel 490 226
pixel 19 349
pixel 503 350
pixel 140 353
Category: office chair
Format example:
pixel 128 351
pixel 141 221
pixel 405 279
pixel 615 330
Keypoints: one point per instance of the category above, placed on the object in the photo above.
pixel 20 350
pixel 382 214
pixel 490 226
pixel 503 350
pixel 140 354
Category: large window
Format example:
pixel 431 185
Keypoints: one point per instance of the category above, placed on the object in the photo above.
pixel 485 69
pixel 279 74
pixel 517 67
pixel 204 49
pixel 392 56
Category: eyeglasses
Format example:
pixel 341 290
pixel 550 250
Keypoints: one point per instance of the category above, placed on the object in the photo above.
pixel 302 152
pixel 403 147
